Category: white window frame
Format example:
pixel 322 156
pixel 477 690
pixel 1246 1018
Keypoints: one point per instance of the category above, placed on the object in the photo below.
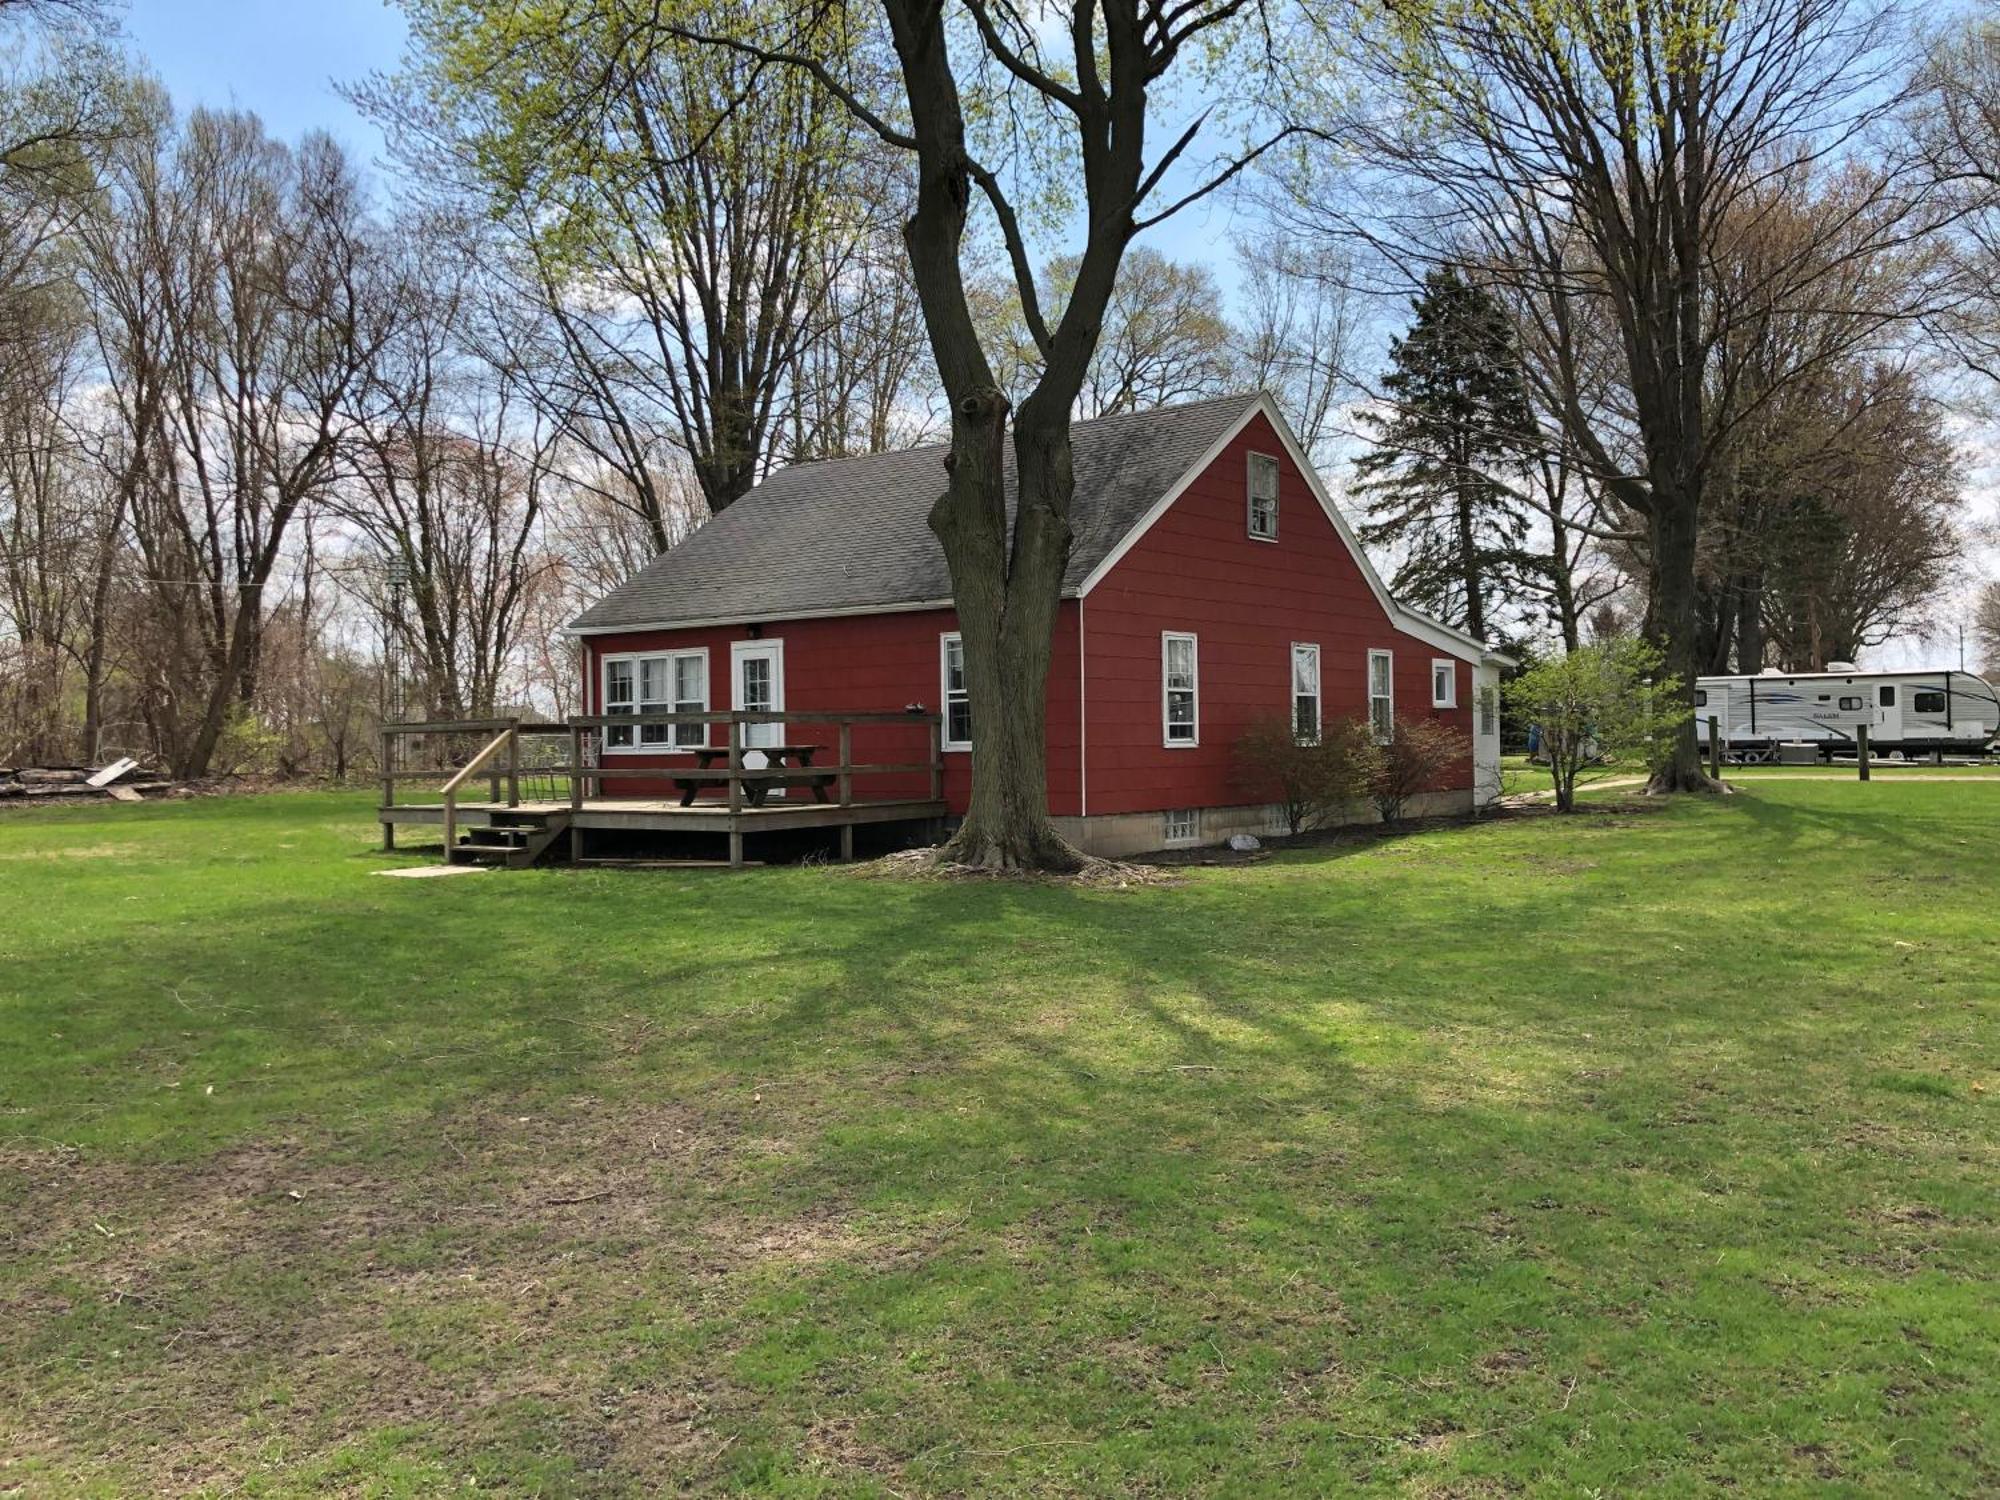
pixel 1169 839
pixel 1450 698
pixel 1193 689
pixel 945 694
pixel 1311 648
pixel 683 737
pixel 1382 737
pixel 1250 463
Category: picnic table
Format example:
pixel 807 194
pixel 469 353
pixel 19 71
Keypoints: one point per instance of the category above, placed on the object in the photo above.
pixel 777 757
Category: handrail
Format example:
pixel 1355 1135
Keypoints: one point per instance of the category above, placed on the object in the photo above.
pixel 471 767
pixel 505 739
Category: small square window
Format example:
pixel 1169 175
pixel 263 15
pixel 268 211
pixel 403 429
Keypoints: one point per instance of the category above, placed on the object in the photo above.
pixel 1887 697
pixel 1444 683
pixel 1182 826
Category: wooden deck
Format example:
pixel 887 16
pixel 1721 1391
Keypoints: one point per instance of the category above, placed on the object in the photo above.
pixel 752 793
pixel 670 816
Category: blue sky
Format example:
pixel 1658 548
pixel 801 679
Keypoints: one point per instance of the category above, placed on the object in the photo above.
pixel 283 58
pixel 280 58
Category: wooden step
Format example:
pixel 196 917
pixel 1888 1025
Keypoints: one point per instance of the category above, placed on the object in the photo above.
pixel 486 853
pixel 516 844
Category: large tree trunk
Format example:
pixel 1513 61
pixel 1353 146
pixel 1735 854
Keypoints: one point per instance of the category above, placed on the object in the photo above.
pixel 1671 615
pixel 1007 611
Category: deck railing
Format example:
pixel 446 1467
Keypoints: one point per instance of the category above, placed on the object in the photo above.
pixel 464 751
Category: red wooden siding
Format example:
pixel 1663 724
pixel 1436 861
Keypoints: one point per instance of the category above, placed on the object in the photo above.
pixel 860 662
pixel 1198 570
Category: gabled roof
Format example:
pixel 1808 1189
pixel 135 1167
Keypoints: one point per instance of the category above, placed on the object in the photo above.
pixel 852 535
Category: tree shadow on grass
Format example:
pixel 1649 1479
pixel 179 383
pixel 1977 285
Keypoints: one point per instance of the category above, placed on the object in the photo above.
pixel 966 1165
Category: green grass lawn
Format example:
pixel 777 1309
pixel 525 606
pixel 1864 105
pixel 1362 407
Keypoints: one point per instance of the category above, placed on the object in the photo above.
pixel 1631 1153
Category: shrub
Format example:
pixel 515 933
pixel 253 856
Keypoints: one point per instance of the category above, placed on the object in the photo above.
pixel 1603 700
pixel 1310 781
pixel 1415 759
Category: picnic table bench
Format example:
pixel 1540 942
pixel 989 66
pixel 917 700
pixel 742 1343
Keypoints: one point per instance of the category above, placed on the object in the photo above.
pixel 776 757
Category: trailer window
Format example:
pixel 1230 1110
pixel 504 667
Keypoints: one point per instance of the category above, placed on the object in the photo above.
pixel 1851 705
pixel 1701 697
pixel 1928 703
pixel 1887 696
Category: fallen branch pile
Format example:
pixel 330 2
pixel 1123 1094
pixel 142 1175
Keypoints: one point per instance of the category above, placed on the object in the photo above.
pixel 122 781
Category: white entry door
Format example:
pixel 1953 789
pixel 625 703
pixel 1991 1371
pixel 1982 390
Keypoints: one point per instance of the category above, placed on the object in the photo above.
pixel 758 668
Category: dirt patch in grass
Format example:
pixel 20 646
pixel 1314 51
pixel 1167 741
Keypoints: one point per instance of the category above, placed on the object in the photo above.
pixel 1094 874
pixel 389 1297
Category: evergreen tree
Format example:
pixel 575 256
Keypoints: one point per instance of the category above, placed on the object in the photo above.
pixel 1457 421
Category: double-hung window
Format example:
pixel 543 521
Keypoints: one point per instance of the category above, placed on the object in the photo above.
pixel 953 693
pixel 1444 683
pixel 1180 689
pixel 1382 695
pixel 667 682
pixel 1305 693
pixel 1263 491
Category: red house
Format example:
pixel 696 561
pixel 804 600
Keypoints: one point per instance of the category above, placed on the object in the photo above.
pixel 1212 583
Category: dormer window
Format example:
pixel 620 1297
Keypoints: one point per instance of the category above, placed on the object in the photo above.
pixel 1263 486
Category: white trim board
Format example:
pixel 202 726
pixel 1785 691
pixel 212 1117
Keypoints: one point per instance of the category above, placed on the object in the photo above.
pixel 724 622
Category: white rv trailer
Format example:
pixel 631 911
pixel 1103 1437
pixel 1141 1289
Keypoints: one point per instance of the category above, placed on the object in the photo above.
pixel 1939 712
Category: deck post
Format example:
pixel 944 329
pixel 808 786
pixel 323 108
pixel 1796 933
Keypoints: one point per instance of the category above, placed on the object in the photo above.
pixel 514 764
pixel 575 793
pixel 846 760
pixel 937 760
pixel 847 843
pixel 388 769
pixel 450 824
pixel 735 792
pixel 1861 748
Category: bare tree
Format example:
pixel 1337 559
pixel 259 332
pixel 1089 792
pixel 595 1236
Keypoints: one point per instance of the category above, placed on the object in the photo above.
pixel 1297 336
pixel 681 221
pixel 48 521
pixel 864 383
pixel 1603 156
pixel 1955 123
pixel 1860 520
pixel 1986 626
pixel 449 475
pixel 235 271
pixel 1164 338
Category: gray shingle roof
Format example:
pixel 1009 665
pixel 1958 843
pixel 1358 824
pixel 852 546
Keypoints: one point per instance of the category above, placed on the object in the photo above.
pixel 851 533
